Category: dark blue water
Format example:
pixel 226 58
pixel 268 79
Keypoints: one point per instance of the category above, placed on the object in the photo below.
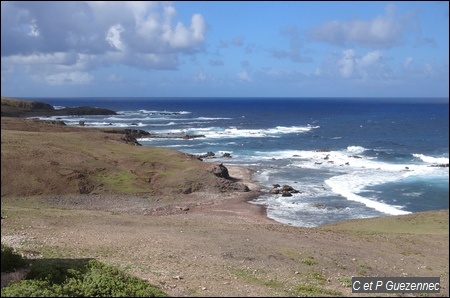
pixel 351 158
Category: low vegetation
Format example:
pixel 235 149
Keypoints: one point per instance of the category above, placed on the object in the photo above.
pixel 11 260
pixel 72 278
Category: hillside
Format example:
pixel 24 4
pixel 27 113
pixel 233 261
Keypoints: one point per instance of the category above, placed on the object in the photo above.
pixel 42 158
pixel 11 107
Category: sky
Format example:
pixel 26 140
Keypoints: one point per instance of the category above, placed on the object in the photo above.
pixel 225 49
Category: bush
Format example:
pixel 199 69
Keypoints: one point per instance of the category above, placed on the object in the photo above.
pixel 11 260
pixel 56 278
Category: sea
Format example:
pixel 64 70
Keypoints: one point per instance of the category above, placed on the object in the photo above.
pixel 348 158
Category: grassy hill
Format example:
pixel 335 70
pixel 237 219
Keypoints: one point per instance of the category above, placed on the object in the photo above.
pixel 40 158
pixel 11 107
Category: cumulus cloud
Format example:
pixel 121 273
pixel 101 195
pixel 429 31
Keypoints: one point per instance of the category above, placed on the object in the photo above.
pixel 350 65
pixel 75 37
pixel 383 31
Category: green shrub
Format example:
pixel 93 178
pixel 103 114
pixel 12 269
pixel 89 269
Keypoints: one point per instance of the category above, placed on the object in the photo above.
pixel 11 260
pixel 56 278
pixel 308 261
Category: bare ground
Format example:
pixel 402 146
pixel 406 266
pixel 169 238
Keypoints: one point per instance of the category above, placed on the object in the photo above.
pixel 227 247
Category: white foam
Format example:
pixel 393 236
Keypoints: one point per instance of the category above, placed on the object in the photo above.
pixel 234 132
pixel 153 112
pixel 211 118
pixel 432 160
pixel 165 124
pixel 348 185
pixel 356 149
pixel 355 172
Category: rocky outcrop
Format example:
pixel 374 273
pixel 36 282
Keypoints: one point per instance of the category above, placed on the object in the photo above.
pixel 54 122
pixel 285 191
pixel 81 111
pixel 227 183
pixel 220 171
pixel 206 155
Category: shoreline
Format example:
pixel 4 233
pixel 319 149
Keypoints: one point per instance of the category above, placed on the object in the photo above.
pixel 235 203
pixel 203 243
pixel 245 175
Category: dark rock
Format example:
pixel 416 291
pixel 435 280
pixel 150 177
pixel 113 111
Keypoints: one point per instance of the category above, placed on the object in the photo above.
pixel 446 165
pixel 287 188
pixel 129 139
pixel 55 122
pixel 188 137
pixel 286 194
pixel 207 155
pixel 136 133
pixel 220 171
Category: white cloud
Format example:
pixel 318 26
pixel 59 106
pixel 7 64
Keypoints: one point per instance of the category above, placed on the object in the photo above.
pixel 182 37
pixel 78 36
pixel 34 31
pixel 113 37
pixel 370 58
pixel 352 66
pixel 383 31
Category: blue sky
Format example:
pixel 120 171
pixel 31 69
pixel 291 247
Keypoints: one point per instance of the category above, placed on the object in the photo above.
pixel 225 49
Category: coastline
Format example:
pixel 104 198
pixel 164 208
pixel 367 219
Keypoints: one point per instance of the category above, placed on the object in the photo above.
pixel 203 243
pixel 223 204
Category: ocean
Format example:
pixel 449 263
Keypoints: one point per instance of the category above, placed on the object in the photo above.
pixel 348 158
